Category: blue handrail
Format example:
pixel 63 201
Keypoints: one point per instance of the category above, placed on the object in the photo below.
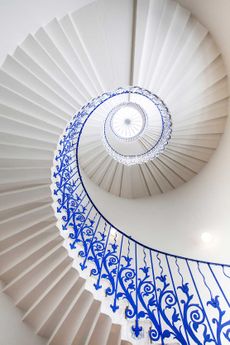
pixel 181 298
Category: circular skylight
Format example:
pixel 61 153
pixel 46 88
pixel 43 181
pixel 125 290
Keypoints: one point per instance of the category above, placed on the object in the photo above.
pixel 137 128
pixel 128 121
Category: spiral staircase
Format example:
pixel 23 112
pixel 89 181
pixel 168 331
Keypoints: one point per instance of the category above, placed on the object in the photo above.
pixel 157 45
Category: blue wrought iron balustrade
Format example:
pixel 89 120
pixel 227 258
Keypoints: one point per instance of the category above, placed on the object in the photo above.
pixel 183 299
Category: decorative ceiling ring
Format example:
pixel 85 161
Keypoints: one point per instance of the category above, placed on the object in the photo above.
pixel 166 125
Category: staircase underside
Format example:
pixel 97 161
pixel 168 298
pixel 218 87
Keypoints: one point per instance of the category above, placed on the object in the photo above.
pixel 50 76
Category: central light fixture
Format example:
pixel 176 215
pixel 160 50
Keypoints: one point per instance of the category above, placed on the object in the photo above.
pixel 128 121
pixel 143 115
pixel 206 237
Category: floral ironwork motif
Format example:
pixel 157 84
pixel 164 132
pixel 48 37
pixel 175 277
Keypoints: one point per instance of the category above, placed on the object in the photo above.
pixel 182 299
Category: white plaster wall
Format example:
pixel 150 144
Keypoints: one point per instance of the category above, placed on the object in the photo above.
pixel 12 330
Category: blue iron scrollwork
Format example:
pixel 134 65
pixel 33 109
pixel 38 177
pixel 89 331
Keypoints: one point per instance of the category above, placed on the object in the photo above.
pixel 180 300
